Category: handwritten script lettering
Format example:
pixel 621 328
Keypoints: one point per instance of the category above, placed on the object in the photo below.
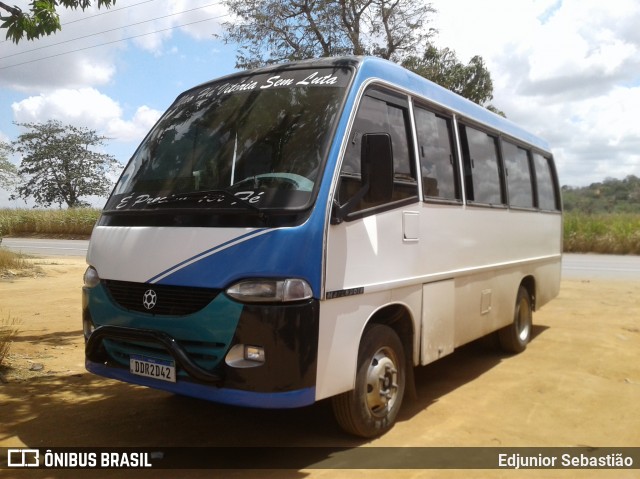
pixel 139 201
pixel 279 81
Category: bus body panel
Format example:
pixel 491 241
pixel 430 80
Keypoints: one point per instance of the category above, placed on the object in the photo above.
pixel 438 323
pixel 342 322
pixel 207 257
pixel 458 247
pixel 180 247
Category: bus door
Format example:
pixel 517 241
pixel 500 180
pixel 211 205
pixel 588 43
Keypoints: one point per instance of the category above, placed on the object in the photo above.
pixel 374 237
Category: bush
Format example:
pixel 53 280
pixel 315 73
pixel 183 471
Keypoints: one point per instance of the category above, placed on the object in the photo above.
pixel 68 223
pixel 602 233
pixel 8 330
pixel 12 261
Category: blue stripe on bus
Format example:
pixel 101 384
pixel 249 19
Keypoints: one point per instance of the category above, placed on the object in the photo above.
pixel 421 87
pixel 235 397
pixel 283 253
pixel 205 253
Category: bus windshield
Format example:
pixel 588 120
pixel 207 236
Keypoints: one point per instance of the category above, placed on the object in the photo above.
pixel 257 141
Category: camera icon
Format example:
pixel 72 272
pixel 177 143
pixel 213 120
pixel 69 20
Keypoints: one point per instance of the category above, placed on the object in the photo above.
pixel 23 458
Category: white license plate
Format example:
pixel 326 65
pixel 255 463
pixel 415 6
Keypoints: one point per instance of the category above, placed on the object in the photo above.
pixel 152 368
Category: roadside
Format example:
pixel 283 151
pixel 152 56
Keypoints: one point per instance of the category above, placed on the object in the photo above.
pixel 46 247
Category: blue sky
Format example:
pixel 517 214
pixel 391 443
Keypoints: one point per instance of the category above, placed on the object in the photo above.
pixel 567 70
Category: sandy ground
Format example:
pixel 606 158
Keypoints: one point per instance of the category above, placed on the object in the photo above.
pixel 577 384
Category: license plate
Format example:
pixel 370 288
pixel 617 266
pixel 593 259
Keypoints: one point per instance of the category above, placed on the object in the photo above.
pixel 152 368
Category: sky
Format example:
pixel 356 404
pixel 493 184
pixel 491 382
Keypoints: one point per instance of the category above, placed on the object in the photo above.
pixel 566 70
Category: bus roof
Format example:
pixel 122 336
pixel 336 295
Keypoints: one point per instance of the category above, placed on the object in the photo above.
pixel 372 68
pixel 376 68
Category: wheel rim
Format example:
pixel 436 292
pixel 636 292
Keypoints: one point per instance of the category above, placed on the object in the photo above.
pixel 523 323
pixel 382 382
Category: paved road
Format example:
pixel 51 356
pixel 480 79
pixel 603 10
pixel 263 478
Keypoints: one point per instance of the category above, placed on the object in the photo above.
pixel 574 266
pixel 600 266
pixel 46 247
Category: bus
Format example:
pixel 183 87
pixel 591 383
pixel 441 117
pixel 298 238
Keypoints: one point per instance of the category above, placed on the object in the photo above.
pixel 317 230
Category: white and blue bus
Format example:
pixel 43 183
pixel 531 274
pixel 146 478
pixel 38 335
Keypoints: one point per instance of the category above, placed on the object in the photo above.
pixel 316 230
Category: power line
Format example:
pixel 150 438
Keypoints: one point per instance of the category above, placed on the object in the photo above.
pixel 106 31
pixel 106 12
pixel 114 41
pixel 87 17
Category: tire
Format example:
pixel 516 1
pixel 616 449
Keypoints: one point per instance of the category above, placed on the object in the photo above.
pixel 515 337
pixel 370 409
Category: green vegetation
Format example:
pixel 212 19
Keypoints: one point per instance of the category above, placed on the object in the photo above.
pixel 602 233
pixel 41 18
pixel 609 196
pixel 603 217
pixel 69 223
pixel 59 165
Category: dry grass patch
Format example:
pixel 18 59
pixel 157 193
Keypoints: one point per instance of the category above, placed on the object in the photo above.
pixel 14 264
pixel 8 331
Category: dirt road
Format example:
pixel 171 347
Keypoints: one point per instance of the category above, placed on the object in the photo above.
pixel 577 384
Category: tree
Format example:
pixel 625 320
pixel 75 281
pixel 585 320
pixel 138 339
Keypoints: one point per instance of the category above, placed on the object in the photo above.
pixel 59 167
pixel 42 18
pixel 273 31
pixel 472 81
pixel 7 169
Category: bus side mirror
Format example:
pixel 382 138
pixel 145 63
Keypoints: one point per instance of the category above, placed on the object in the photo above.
pixel 377 167
pixel 376 176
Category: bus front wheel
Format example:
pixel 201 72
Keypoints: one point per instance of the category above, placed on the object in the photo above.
pixel 370 409
pixel 515 337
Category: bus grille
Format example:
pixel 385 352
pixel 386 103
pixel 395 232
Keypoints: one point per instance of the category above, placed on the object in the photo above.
pixel 207 355
pixel 160 299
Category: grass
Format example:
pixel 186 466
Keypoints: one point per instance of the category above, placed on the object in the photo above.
pixel 8 331
pixel 10 261
pixel 602 233
pixel 68 223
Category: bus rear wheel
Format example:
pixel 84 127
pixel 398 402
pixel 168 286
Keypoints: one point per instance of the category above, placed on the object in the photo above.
pixel 370 409
pixel 515 337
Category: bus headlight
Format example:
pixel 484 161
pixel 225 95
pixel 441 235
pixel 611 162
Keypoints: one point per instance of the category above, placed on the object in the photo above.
pixel 270 290
pixel 91 278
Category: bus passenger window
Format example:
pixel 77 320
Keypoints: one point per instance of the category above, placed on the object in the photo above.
pixel 376 115
pixel 482 171
pixel 437 160
pixel 547 191
pixel 518 175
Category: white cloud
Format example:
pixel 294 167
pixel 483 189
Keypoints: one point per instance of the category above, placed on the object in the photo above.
pixel 135 129
pixel 86 107
pixel 85 52
pixel 568 70
pixel 75 70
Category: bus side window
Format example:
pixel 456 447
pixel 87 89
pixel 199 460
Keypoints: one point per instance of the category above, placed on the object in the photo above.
pixel 376 115
pixel 545 182
pixel 481 166
pixel 436 152
pixel 519 182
